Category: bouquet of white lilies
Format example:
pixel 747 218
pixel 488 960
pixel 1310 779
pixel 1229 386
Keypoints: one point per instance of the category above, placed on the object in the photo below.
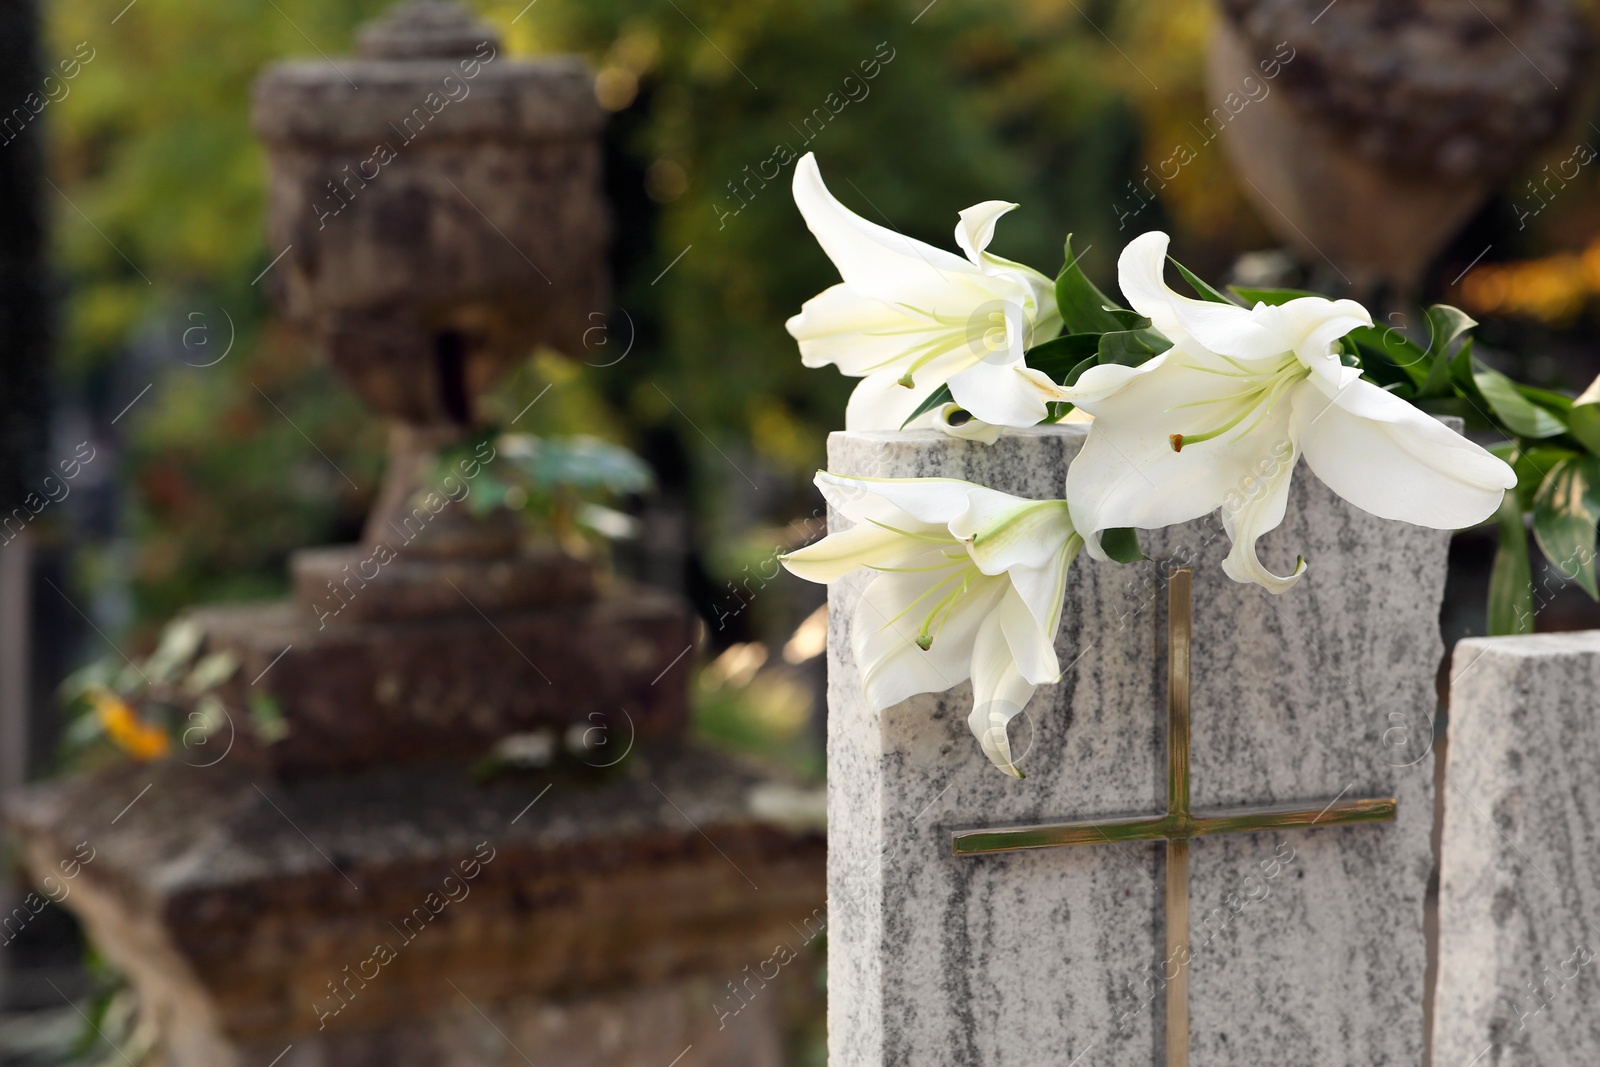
pixel 1186 398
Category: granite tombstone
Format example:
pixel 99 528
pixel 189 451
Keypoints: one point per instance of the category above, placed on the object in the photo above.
pixel 1298 944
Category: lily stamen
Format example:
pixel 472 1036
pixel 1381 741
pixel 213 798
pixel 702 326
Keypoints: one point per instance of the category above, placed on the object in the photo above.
pixel 947 605
pixel 1259 401
pixel 935 587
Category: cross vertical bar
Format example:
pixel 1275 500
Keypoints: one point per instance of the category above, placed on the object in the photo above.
pixel 1180 624
pixel 1177 960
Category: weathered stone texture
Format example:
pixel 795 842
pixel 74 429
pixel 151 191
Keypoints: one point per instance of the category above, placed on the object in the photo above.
pixel 1519 889
pixel 429 689
pixel 1040 957
pixel 263 929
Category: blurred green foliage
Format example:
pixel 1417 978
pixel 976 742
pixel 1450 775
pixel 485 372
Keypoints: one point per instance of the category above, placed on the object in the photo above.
pixel 158 178
pixel 158 230
pixel 157 199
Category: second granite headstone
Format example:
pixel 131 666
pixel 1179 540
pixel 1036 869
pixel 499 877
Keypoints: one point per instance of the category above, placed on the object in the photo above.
pixel 1519 883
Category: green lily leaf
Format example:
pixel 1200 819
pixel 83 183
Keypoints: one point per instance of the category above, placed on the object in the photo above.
pixel 1475 407
pixel 1122 544
pixel 1390 344
pixel 1058 356
pixel 1452 405
pixel 1349 354
pixel 1557 404
pixel 1566 510
pixel 938 398
pixel 1273 297
pixel 1077 371
pixel 1131 348
pixel 1439 380
pixel 1532 466
pixel 1520 415
pixel 1201 287
pixel 1584 417
pixel 1084 308
pixel 1380 368
pixel 1130 320
pixel 1511 579
pixel 1445 324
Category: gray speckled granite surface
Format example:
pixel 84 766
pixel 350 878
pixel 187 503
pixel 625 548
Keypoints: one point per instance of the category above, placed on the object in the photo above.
pixel 1519 889
pixel 1038 958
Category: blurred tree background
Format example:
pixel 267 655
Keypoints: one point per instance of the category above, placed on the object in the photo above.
pixel 240 446
pixel 1056 104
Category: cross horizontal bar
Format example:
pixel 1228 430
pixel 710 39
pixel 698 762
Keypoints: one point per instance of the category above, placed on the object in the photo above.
pixel 1173 827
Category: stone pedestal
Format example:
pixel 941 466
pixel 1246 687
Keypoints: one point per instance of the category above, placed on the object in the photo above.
pixel 447 686
pixel 1050 956
pixel 403 919
pixel 1519 887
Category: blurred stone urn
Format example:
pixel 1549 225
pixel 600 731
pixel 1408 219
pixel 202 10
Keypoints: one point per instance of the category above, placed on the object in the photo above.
pixel 436 211
pixel 439 211
pixel 1385 124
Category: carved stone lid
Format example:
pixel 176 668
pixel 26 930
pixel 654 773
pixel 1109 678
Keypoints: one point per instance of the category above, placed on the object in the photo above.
pixel 417 29
pixel 431 61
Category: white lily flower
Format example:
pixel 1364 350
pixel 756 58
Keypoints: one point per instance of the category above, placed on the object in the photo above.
pixel 1221 419
pixel 970 584
pixel 909 317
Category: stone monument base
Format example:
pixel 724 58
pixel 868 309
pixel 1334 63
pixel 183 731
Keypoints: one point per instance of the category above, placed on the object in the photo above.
pixel 409 916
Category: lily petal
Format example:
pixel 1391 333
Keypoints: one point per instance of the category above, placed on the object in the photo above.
pixel 934 502
pixel 880 402
pixel 893 666
pixel 1306 326
pixel 976 228
pixel 970 429
pixel 1311 324
pixel 870 258
pixel 863 545
pixel 1258 508
pixel 999 693
pixel 1107 379
pixel 1006 395
pixel 858 334
pixel 1004 531
pixel 860 501
pixel 1141 276
pixel 1042 588
pixel 1395 461
pixel 1032 647
pixel 1034 544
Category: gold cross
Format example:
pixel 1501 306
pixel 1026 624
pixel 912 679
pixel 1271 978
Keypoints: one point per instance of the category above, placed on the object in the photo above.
pixel 1179 824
